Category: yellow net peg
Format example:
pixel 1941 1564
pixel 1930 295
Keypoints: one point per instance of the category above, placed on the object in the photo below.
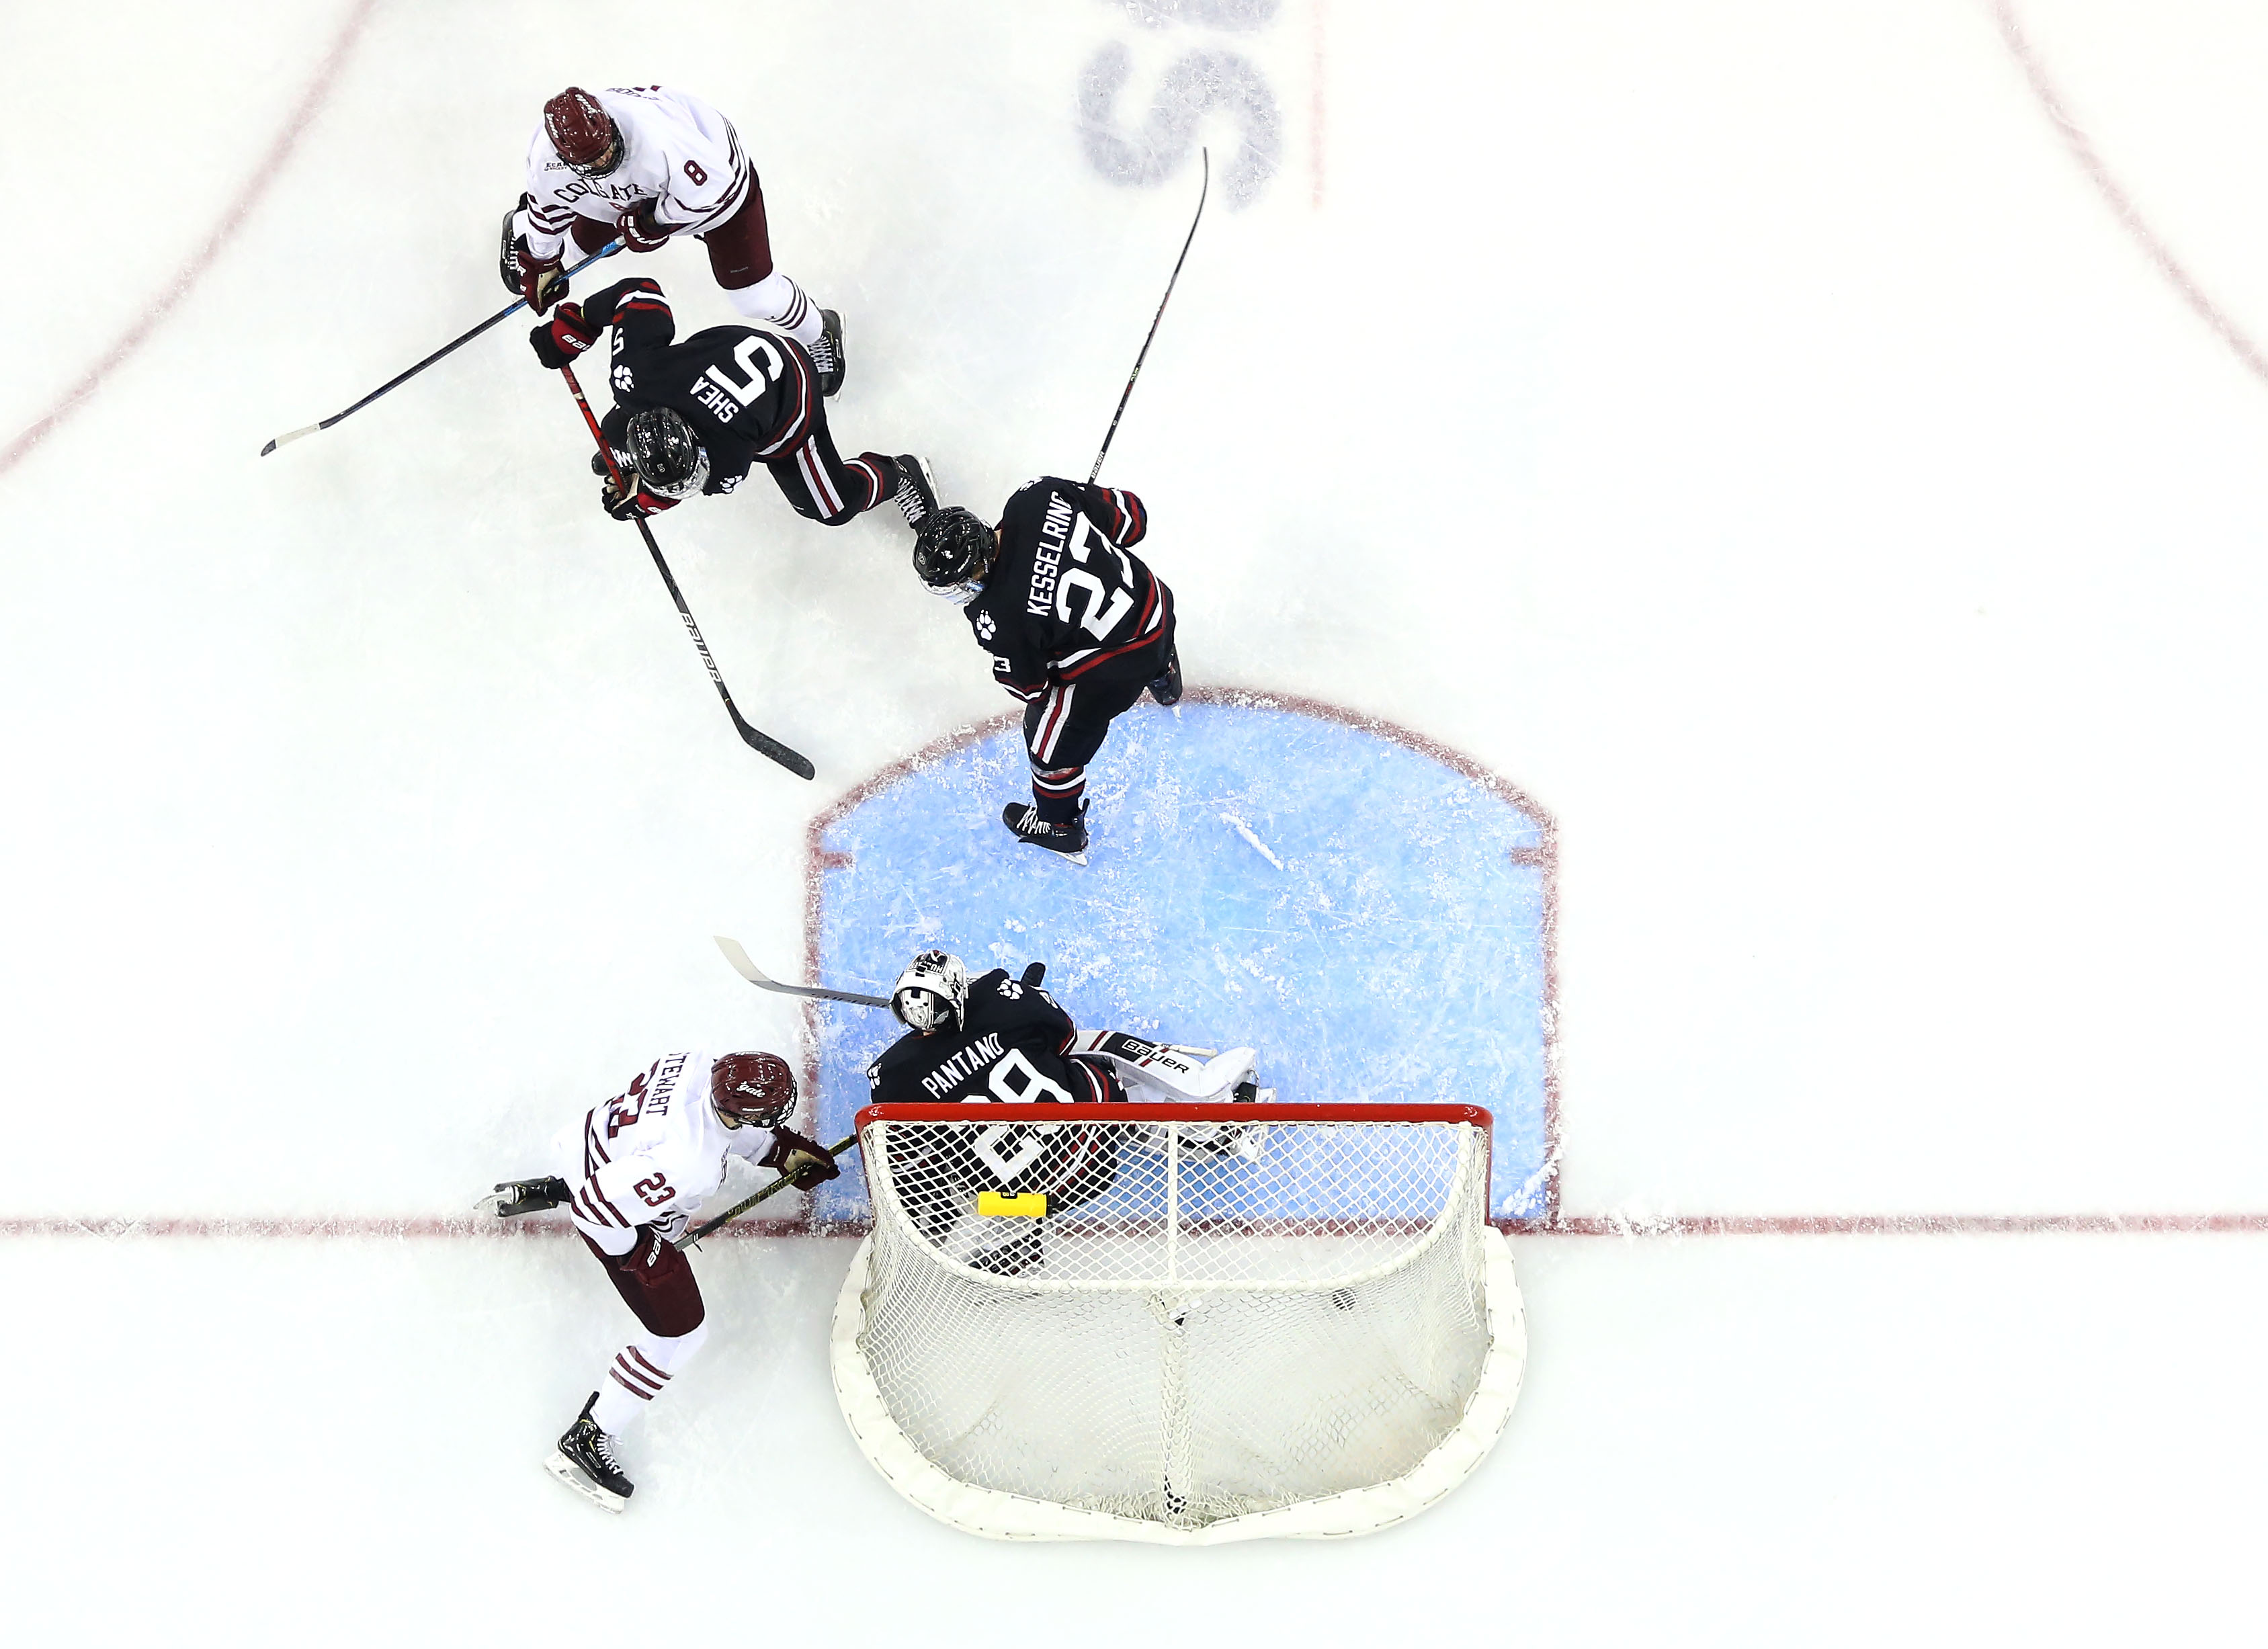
pixel 1030 1205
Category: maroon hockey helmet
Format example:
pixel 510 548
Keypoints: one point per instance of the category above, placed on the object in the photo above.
pixel 582 133
pixel 755 1089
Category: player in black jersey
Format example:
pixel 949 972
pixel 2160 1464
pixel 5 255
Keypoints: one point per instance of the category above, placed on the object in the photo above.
pixel 996 1038
pixel 1077 628
pixel 691 418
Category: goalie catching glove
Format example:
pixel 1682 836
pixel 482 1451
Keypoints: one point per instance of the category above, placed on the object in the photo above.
pixel 803 1163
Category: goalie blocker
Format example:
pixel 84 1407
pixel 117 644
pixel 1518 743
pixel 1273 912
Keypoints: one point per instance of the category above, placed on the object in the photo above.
pixel 1315 1333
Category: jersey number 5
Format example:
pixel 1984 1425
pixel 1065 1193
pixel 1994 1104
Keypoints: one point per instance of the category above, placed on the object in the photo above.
pixel 1104 610
pixel 760 378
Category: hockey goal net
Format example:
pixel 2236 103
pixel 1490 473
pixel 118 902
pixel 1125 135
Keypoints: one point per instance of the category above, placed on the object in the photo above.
pixel 1181 1323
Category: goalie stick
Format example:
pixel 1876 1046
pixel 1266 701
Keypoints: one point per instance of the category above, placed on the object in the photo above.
pixel 763 981
pixel 1125 394
pixel 762 743
pixel 750 1201
pixel 454 344
pixel 1033 972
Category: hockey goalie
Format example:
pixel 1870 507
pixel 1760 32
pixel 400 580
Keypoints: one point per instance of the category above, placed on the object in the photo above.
pixel 998 1038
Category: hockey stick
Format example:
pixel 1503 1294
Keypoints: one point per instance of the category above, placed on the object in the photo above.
pixel 750 1201
pixel 762 743
pixel 1204 190
pixel 763 981
pixel 607 251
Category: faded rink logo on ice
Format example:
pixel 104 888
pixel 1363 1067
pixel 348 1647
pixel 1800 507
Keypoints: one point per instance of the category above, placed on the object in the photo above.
pixel 1371 911
pixel 1145 135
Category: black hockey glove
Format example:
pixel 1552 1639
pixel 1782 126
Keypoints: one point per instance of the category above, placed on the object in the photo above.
pixel 636 504
pixel 802 1162
pixel 530 1197
pixel 558 341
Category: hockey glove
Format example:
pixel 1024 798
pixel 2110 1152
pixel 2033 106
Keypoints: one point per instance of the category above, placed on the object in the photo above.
pixel 803 1163
pixel 542 284
pixel 640 231
pixel 558 341
pixel 633 505
pixel 529 1196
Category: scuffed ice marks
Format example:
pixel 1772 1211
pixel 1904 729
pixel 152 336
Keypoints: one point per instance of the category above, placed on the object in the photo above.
pixel 1208 81
pixel 1388 942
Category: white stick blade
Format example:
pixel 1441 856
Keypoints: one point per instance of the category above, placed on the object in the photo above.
pixel 285 440
pixel 739 958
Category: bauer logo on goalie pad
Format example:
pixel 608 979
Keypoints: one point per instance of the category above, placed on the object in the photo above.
pixel 1030 1205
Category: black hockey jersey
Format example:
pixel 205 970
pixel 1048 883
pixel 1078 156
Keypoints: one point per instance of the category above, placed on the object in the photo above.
pixel 748 394
pixel 1065 597
pixel 1013 1046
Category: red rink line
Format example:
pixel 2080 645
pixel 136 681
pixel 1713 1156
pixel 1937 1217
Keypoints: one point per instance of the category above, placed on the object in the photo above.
pixel 1882 1224
pixel 303 115
pixel 2122 204
pixel 486 1229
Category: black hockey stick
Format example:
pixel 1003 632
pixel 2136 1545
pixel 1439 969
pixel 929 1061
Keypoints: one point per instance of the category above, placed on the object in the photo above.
pixel 1204 190
pixel 760 1194
pixel 762 743
pixel 607 251
pixel 763 981
pixel 1033 972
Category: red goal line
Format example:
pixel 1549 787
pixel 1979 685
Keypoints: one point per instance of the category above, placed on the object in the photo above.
pixel 368 1226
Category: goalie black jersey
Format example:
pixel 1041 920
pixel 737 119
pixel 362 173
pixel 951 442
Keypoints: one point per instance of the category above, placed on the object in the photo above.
pixel 748 395
pixel 1067 597
pixel 1013 1046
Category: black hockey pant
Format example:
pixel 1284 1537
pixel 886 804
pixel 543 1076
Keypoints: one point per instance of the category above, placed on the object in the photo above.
pixel 1066 726
pixel 823 486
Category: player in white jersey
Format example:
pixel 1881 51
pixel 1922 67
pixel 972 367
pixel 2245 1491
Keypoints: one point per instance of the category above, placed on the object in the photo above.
pixel 645 164
pixel 631 1173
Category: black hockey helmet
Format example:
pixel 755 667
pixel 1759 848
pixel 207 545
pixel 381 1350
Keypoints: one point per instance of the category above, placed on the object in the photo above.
pixel 669 457
pixel 952 551
pixel 752 1089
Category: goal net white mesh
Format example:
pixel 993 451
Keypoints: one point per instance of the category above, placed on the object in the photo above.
pixel 1184 1323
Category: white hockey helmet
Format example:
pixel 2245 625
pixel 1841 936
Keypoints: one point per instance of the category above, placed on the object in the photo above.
pixel 933 994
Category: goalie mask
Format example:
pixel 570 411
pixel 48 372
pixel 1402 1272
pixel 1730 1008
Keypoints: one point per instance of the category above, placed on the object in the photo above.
pixel 933 992
pixel 669 457
pixel 752 1090
pixel 952 551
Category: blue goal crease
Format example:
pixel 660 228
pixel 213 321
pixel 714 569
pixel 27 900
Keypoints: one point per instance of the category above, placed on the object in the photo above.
pixel 1371 918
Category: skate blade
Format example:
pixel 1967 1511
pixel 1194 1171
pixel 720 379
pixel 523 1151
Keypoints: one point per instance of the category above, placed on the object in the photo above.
pixel 568 1473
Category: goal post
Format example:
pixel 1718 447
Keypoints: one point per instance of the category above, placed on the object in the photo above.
pixel 1177 1323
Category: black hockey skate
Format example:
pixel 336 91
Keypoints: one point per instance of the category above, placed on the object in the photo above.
pixel 826 354
pixel 528 1196
pixel 1167 689
pixel 1012 1258
pixel 1023 817
pixel 916 494
pixel 585 1463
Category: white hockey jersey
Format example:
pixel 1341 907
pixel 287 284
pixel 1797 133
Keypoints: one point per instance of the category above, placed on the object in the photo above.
pixel 653 1150
pixel 678 152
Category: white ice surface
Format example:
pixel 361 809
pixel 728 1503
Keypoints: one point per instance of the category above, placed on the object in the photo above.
pixel 1743 427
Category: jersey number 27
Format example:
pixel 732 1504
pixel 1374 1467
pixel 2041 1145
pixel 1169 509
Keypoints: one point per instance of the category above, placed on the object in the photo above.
pixel 1105 607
